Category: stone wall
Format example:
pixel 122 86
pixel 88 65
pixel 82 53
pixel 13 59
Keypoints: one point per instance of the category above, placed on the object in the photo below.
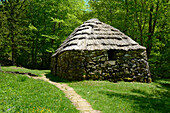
pixel 70 65
pixel 96 65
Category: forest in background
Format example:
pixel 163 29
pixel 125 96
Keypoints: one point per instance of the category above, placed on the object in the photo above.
pixel 31 30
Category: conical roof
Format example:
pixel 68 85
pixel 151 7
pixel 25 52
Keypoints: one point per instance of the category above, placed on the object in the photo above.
pixel 96 35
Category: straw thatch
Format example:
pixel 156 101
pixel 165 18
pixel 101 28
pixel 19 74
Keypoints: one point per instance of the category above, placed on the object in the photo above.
pixel 96 35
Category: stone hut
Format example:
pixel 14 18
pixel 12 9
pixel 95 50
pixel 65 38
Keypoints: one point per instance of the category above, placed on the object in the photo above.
pixel 99 51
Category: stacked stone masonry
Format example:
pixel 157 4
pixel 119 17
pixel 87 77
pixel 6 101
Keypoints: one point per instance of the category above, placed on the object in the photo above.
pixel 112 65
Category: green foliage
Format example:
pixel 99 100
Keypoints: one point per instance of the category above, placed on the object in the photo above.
pixel 35 29
pixel 32 28
pixel 22 94
pixel 12 34
pixel 160 63
pixel 125 97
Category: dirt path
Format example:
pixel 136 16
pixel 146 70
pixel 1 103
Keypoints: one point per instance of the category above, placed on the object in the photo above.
pixel 80 103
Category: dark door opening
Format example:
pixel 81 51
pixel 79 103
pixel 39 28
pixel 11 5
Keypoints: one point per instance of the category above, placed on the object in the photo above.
pixel 111 54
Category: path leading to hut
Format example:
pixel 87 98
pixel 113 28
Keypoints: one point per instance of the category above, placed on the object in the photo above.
pixel 80 103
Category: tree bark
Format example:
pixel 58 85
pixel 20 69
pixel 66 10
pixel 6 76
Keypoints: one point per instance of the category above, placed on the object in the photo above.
pixel 152 25
pixel 11 28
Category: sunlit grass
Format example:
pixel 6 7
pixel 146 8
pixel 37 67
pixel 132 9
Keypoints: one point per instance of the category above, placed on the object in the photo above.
pixel 125 97
pixel 108 97
pixel 24 70
pixel 18 93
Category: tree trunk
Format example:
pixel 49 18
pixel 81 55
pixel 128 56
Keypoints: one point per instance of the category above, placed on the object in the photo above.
pixel 11 28
pixel 149 45
pixel 32 52
pixel 151 28
pixel 126 16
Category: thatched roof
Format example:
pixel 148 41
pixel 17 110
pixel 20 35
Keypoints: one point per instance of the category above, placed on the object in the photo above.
pixel 96 35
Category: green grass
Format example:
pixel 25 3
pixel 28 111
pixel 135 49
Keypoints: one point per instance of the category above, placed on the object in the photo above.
pixel 18 93
pixel 126 97
pixel 108 97
pixel 24 70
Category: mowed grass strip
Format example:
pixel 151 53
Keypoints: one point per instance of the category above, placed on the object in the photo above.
pixel 24 70
pixel 18 93
pixel 126 97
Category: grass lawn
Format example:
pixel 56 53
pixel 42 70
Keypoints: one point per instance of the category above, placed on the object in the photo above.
pixel 18 93
pixel 24 70
pixel 126 97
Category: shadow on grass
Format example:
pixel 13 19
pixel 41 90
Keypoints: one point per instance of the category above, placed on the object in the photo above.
pixel 165 83
pixel 56 78
pixel 156 102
